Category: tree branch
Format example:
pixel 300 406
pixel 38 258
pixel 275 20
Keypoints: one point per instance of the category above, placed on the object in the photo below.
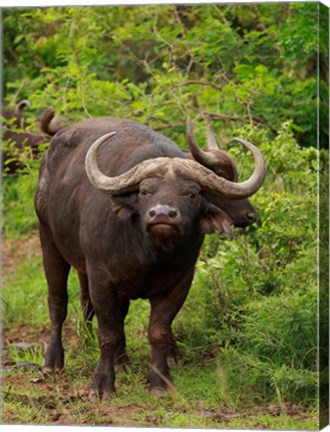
pixel 225 117
pixel 203 83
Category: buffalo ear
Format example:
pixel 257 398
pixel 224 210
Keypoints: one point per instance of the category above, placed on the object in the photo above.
pixel 123 206
pixel 214 219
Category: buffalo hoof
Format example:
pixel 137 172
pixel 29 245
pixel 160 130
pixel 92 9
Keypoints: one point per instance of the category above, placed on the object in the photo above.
pixel 98 396
pixel 53 363
pixel 102 387
pixel 50 370
pixel 54 359
pixel 157 391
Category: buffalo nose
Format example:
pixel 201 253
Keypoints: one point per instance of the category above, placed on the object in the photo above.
pixel 163 210
pixel 251 216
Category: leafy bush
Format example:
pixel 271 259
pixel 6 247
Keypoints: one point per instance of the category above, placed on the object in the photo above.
pixel 255 295
pixel 158 64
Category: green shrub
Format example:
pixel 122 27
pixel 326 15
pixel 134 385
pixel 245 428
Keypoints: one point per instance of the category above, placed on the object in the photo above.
pixel 157 64
pixel 255 294
pixel 275 355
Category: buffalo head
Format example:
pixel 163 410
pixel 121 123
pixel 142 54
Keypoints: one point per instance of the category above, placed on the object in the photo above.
pixel 176 197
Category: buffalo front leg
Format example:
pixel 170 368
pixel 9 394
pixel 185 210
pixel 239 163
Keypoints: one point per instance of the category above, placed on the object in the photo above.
pixel 173 354
pixel 85 301
pixel 120 357
pixel 56 271
pixel 110 335
pixel 163 346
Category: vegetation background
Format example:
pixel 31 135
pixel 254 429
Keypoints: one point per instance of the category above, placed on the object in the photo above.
pixel 248 331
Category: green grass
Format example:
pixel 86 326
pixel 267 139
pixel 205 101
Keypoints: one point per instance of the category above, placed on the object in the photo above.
pixel 197 401
pixel 18 205
pixel 202 398
pixel 63 400
pixel 25 295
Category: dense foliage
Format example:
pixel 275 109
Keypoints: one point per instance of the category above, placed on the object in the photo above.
pixel 241 63
pixel 253 69
pixel 259 298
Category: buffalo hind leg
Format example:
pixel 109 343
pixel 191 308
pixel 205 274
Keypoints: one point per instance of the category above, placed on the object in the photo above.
pixel 56 271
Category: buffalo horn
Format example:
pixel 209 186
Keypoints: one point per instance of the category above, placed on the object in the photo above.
pixel 209 181
pixel 124 183
pixel 211 140
pixel 203 157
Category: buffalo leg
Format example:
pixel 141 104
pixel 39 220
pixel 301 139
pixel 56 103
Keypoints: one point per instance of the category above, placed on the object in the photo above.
pixel 120 357
pixel 110 335
pixel 85 301
pixel 163 346
pixel 57 271
pixel 173 354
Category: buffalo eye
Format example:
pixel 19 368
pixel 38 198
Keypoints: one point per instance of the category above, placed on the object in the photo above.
pixel 192 195
pixel 144 192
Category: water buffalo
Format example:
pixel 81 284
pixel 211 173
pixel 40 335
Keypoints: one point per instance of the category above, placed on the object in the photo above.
pixel 18 139
pixel 128 210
